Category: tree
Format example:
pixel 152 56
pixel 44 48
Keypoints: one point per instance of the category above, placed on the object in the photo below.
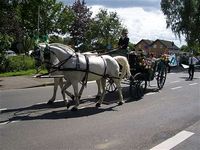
pixel 65 20
pixel 183 18
pixel 107 27
pixel 80 24
pixel 9 22
pixel 47 12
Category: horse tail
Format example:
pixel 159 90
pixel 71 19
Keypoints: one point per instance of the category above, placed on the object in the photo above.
pixel 125 66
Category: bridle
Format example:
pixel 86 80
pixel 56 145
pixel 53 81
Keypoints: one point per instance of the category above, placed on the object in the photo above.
pixel 50 66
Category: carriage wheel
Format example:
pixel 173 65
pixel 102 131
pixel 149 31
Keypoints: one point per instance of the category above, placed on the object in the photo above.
pixel 161 77
pixel 110 86
pixel 138 85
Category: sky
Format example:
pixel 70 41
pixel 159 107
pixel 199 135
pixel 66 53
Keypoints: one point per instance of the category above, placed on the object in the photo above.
pixel 143 18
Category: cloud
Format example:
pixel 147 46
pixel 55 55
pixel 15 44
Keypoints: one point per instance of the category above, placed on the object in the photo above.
pixel 143 18
pixel 143 24
pixel 146 4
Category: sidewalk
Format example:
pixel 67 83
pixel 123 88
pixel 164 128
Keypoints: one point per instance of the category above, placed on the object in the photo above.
pixel 21 82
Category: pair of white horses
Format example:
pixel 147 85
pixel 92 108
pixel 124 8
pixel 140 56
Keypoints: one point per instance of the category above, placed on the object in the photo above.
pixel 77 67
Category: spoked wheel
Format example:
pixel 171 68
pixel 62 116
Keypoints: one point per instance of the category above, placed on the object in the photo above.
pixel 138 85
pixel 161 77
pixel 110 86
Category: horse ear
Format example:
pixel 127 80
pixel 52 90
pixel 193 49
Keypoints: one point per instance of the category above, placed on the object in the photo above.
pixel 47 53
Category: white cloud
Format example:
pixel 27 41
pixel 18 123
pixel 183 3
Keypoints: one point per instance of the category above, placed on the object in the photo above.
pixel 143 24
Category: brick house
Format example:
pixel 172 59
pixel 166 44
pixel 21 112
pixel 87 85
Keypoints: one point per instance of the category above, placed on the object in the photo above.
pixel 157 47
pixel 144 45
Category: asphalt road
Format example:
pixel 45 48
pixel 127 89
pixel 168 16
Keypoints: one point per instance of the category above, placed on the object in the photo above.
pixel 166 119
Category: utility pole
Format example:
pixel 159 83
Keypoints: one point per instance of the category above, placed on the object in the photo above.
pixel 38 23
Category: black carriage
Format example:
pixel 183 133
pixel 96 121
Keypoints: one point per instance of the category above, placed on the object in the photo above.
pixel 143 70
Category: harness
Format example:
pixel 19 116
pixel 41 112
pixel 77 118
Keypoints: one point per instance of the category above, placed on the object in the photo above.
pixel 59 67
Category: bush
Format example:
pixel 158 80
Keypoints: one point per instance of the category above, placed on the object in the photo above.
pixel 18 63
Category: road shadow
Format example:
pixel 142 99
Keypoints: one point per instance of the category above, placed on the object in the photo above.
pixel 59 111
pixel 58 114
pixel 186 78
pixel 34 107
pixel 55 111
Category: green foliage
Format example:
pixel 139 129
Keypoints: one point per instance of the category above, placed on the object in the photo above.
pixel 55 39
pixel 185 48
pixel 5 42
pixel 28 44
pixel 183 18
pixel 80 25
pixel 106 28
pixel 47 11
pixel 65 20
pixel 17 63
pixel 9 20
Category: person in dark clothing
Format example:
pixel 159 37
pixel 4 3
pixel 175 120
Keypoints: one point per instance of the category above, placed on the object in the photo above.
pixel 192 61
pixel 124 40
pixel 123 44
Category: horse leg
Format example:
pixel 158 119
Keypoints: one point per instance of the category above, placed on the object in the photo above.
pixel 67 92
pixel 99 89
pixel 56 83
pixel 76 96
pixel 81 91
pixel 103 84
pixel 66 85
pixel 118 84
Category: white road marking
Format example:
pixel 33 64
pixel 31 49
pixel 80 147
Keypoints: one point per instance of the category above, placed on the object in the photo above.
pixel 7 122
pixel 151 93
pixel 3 109
pixel 173 141
pixel 3 123
pixel 178 87
pixel 193 84
pixel 175 81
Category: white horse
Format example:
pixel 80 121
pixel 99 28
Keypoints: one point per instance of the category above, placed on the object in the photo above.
pixel 58 81
pixel 75 68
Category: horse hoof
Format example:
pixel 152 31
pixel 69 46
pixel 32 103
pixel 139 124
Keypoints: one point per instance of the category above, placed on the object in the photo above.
pixel 50 102
pixel 98 105
pixel 98 97
pixel 120 103
pixel 72 97
pixel 74 109
pixel 68 105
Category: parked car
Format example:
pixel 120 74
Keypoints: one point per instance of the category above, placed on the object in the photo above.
pixel 10 53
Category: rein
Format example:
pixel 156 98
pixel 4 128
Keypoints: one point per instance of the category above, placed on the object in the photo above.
pixel 58 67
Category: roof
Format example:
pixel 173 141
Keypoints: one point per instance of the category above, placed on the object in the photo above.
pixel 149 42
pixel 168 44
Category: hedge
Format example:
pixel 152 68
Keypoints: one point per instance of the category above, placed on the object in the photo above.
pixel 17 63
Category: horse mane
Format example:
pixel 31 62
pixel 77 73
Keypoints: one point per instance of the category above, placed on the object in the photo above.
pixel 62 46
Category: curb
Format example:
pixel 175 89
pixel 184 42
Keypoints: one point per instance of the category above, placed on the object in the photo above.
pixel 40 85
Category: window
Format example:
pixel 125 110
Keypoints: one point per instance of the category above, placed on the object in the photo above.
pixel 154 46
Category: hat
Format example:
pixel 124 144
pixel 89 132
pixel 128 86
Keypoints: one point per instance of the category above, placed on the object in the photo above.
pixel 124 31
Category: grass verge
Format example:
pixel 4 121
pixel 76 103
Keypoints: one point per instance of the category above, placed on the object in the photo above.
pixel 21 73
